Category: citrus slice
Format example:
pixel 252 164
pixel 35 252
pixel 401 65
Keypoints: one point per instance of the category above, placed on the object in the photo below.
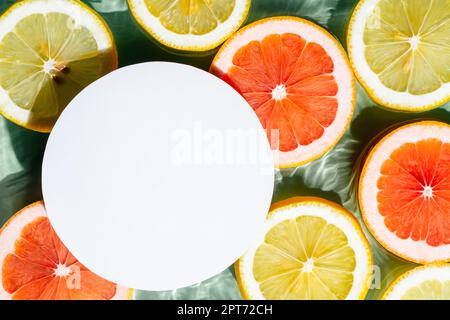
pixel 310 249
pixel 430 282
pixel 297 79
pixel 49 51
pixel 35 265
pixel 190 25
pixel 404 191
pixel 400 52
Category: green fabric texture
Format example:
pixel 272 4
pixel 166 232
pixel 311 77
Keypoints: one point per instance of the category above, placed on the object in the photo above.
pixel 333 177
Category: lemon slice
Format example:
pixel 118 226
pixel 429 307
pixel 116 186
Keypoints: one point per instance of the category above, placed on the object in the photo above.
pixel 400 52
pixel 431 282
pixel 190 25
pixel 49 51
pixel 310 249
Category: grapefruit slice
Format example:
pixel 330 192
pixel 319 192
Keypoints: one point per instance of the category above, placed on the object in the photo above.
pixel 310 249
pixel 400 52
pixel 35 265
pixel 190 25
pixel 430 282
pixel 49 51
pixel 404 191
pixel 297 79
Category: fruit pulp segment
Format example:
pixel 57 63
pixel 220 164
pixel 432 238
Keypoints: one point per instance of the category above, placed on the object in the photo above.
pixel 407 44
pixel 290 85
pixel 46 60
pixel 414 192
pixel 41 267
pixel 196 17
pixel 304 258
pixel 429 290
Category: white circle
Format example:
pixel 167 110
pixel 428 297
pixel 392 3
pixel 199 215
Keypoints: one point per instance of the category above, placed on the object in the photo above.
pixel 158 176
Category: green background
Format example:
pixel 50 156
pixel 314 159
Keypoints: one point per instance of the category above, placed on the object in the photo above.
pixel 334 176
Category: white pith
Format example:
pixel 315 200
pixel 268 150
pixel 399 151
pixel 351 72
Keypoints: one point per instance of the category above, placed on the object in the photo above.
pixel 428 192
pixel 415 277
pixel 82 17
pixel 49 65
pixel 279 92
pixel 404 101
pixel 418 251
pixel 332 216
pixel 308 266
pixel 414 42
pixel 189 41
pixel 12 230
pixel 342 73
pixel 62 270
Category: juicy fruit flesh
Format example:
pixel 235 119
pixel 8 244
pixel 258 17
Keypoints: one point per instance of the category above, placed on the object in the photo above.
pixel 41 267
pixel 407 44
pixel 45 61
pixel 414 192
pixel 429 290
pixel 289 83
pixel 196 17
pixel 305 258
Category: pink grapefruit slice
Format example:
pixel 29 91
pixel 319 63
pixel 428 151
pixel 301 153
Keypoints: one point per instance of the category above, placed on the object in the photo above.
pixel 404 192
pixel 296 77
pixel 35 264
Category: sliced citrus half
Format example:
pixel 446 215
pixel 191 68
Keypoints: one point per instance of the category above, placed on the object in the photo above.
pixel 49 51
pixel 400 52
pixel 404 191
pixel 310 249
pixel 190 25
pixel 430 282
pixel 35 264
pixel 297 79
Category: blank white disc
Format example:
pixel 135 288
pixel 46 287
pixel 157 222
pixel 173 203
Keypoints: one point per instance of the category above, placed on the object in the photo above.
pixel 157 176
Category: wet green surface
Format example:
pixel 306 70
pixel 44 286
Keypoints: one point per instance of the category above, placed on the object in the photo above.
pixel 334 176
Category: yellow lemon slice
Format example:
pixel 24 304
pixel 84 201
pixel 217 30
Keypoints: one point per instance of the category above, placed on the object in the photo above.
pixel 49 51
pixel 431 282
pixel 190 25
pixel 310 249
pixel 400 52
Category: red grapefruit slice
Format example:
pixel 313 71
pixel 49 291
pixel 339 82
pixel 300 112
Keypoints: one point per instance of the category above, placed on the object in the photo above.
pixel 37 266
pixel 297 79
pixel 404 192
